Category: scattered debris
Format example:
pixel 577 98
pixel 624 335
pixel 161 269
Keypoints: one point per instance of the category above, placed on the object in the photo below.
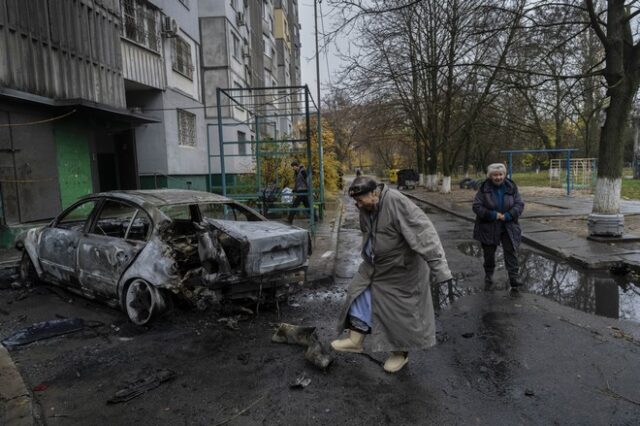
pixel 529 392
pixel 619 334
pixel 303 336
pixel 244 358
pixel 301 382
pixel 241 412
pixel 143 385
pixel 44 330
pixel 468 335
pixel 230 323
pixel 41 387
pixel 293 334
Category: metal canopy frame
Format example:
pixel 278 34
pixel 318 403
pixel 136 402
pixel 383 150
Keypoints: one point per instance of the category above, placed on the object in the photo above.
pixel 567 152
pixel 263 107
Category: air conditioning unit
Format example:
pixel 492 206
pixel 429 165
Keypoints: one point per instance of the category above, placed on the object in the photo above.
pixel 245 51
pixel 169 26
pixel 239 19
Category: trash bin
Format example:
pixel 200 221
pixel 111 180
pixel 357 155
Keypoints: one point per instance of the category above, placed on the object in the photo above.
pixel 407 178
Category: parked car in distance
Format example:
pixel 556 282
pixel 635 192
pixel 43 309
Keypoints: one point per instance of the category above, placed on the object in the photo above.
pixel 407 178
pixel 140 249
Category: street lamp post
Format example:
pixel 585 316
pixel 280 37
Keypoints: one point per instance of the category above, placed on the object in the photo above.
pixel 319 122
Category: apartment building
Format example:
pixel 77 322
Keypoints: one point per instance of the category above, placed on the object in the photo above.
pixel 120 94
pixel 63 110
pixel 160 44
pixel 247 44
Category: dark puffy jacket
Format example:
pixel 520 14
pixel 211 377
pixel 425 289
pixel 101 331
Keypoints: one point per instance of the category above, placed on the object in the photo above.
pixel 300 184
pixel 487 229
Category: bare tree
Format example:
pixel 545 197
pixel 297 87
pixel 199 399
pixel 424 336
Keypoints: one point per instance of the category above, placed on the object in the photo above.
pixel 613 26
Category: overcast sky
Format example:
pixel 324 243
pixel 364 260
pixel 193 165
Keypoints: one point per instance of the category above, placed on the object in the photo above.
pixel 329 64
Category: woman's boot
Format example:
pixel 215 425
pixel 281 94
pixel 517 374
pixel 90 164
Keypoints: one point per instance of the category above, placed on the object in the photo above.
pixel 351 343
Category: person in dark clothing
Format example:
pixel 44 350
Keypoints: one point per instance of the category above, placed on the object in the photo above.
pixel 498 206
pixel 300 189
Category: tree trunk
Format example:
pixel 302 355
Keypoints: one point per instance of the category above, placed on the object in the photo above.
pixel 606 199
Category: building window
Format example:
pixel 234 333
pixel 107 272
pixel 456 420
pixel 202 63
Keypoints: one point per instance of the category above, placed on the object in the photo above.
pixel 186 128
pixel 242 143
pixel 236 46
pixel 140 24
pixel 181 61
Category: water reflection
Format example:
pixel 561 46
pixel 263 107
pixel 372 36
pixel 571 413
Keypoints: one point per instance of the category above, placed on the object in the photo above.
pixel 444 294
pixel 595 292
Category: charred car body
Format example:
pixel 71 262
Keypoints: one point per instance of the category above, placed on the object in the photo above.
pixel 139 249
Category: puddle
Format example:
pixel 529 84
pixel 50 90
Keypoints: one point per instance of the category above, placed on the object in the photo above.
pixel 596 292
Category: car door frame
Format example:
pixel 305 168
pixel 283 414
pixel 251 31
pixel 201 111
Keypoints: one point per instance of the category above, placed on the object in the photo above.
pixel 100 279
pixel 63 241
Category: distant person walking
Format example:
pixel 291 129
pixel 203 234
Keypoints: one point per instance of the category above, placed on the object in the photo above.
pixel 300 189
pixel 498 206
pixel 390 295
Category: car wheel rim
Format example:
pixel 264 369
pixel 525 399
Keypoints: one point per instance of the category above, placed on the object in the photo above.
pixel 140 302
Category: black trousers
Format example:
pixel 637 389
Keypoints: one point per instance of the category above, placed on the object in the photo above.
pixel 304 199
pixel 510 258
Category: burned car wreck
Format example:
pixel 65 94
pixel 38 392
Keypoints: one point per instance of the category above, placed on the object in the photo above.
pixel 138 250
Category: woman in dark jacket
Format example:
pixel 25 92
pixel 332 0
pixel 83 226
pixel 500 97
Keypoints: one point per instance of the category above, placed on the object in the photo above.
pixel 498 206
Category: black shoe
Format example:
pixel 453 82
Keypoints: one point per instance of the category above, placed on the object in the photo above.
pixel 515 282
pixel 488 284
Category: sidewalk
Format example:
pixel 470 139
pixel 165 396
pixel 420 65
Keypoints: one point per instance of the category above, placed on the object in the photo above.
pixel 324 243
pixel 573 248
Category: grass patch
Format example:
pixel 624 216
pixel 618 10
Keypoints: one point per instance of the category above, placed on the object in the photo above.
pixel 630 187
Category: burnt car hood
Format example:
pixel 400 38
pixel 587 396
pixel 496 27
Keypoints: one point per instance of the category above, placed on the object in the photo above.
pixel 268 246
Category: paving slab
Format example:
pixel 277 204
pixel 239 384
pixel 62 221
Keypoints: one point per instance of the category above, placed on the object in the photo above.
pixel 15 399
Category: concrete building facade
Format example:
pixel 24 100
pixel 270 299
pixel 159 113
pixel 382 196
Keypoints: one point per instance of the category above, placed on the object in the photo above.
pixel 121 94
pixel 63 114
pixel 161 55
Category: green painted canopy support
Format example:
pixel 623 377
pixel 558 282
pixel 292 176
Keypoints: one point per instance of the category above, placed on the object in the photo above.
pixel 259 105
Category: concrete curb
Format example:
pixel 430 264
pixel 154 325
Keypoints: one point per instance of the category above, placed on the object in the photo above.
pixel 615 260
pixel 16 407
pixel 336 233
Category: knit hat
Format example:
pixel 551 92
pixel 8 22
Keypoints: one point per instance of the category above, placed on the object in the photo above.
pixel 362 185
pixel 496 167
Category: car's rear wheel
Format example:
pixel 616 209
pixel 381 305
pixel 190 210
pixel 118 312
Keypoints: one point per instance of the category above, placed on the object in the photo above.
pixel 143 302
pixel 28 274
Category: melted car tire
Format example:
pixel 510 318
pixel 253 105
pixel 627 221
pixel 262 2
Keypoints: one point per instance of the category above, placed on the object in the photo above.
pixel 28 274
pixel 143 302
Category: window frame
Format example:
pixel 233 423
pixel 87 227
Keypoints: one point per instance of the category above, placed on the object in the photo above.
pixel 141 24
pixel 182 130
pixel 181 57
pixel 136 212
pixel 88 220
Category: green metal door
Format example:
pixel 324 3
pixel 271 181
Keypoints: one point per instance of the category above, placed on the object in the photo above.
pixel 74 162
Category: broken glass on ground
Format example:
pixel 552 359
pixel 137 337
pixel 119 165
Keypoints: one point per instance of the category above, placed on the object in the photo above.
pixel 303 336
pixel 44 330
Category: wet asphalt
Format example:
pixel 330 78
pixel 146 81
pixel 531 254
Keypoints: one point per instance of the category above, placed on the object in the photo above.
pixel 537 359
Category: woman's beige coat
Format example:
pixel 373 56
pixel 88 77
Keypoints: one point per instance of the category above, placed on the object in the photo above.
pixel 406 250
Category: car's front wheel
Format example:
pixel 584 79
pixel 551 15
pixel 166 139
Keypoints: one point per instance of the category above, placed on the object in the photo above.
pixel 28 274
pixel 143 302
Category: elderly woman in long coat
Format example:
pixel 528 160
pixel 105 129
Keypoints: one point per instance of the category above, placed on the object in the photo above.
pixel 389 298
pixel 498 206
